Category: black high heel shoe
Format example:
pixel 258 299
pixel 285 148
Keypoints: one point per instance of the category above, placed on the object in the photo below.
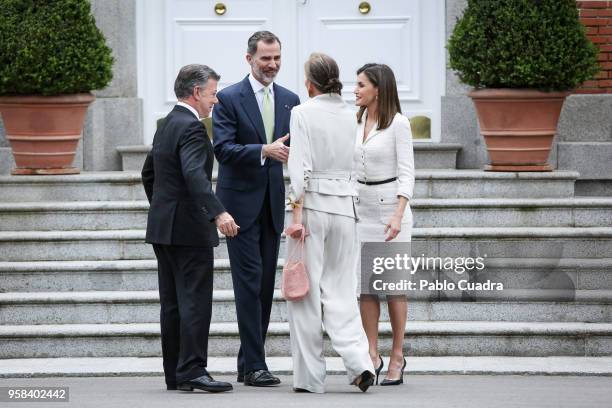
pixel 379 368
pixel 364 381
pixel 398 381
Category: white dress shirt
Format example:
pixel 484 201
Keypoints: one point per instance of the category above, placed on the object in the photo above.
pixel 191 108
pixel 258 90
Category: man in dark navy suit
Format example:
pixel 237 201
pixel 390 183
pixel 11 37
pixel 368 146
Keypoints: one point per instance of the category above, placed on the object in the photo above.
pixel 182 226
pixel 251 125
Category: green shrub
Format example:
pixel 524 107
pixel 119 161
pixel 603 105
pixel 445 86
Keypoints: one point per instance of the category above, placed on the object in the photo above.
pixel 51 47
pixel 538 44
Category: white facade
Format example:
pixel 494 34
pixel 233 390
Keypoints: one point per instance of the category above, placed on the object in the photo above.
pixel 408 35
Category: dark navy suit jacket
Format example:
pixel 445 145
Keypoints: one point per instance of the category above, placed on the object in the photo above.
pixel 238 138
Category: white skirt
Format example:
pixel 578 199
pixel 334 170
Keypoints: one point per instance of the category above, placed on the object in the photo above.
pixel 374 206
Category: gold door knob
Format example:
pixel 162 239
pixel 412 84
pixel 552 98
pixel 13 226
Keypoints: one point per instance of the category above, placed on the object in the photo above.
pixel 220 9
pixel 364 7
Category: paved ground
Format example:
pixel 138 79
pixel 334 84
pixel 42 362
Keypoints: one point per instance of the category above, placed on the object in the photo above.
pixel 472 391
pixel 450 365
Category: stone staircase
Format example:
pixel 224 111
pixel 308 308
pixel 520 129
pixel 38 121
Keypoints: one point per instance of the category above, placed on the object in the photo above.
pixel 426 156
pixel 77 279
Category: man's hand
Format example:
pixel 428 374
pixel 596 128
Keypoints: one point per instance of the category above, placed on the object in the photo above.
pixel 226 224
pixel 277 150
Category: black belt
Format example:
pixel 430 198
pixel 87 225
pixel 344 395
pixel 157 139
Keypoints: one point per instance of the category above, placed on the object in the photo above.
pixel 375 183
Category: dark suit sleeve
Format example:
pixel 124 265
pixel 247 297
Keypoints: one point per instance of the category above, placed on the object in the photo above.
pixel 148 175
pixel 192 152
pixel 225 127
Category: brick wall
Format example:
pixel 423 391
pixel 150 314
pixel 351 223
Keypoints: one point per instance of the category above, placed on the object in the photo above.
pixel 597 18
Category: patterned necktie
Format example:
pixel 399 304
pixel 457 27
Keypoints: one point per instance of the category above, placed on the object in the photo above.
pixel 267 114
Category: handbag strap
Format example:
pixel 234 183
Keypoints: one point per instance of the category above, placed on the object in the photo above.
pixel 300 245
pixel 302 237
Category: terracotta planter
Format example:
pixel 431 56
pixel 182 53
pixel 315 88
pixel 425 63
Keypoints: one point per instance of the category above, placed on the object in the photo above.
pixel 518 126
pixel 44 131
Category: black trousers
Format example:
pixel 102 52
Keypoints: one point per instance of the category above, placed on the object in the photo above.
pixel 253 257
pixel 185 292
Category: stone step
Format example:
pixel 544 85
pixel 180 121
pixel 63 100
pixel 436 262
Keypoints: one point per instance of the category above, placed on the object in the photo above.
pixel 98 307
pixel 436 155
pixel 67 276
pixel 426 156
pixel 511 212
pixel 152 366
pixel 75 215
pixel 75 245
pixel 126 186
pixel 458 338
pixel 136 275
pixel 564 242
pixel 427 212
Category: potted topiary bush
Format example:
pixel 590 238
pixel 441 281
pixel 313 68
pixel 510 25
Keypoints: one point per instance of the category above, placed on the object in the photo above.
pixel 51 56
pixel 522 57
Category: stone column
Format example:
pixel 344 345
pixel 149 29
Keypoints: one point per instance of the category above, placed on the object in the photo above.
pixel 6 157
pixel 115 118
pixel 459 122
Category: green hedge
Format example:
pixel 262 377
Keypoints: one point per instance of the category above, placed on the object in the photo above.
pixel 538 44
pixel 51 47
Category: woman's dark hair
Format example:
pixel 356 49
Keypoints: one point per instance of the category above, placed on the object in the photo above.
pixel 381 76
pixel 323 72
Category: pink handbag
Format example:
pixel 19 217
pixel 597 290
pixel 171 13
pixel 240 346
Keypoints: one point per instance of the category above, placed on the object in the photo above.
pixel 295 283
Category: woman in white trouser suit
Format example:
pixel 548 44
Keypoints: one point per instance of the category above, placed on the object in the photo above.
pixel 320 162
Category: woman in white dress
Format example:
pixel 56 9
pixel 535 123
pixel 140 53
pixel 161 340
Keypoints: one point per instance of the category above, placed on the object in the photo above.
pixel 384 169
pixel 322 194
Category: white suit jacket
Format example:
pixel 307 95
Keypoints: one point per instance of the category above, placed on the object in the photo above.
pixel 386 154
pixel 320 163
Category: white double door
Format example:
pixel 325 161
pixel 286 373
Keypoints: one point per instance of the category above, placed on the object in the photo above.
pixel 407 35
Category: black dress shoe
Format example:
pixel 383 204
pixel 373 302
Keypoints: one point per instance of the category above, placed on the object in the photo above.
pixel 364 381
pixel 205 383
pixel 295 389
pixel 175 387
pixel 261 378
pixel 240 378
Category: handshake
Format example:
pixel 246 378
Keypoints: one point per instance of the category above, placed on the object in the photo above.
pixel 226 224
pixel 277 149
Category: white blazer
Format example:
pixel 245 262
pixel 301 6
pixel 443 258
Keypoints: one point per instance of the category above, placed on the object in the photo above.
pixel 322 133
pixel 386 154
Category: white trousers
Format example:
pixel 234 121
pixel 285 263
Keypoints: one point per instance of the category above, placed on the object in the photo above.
pixel 330 253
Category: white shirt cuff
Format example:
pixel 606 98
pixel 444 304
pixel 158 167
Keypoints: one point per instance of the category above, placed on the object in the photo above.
pixel 263 159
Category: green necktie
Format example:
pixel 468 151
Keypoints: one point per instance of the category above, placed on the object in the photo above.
pixel 267 114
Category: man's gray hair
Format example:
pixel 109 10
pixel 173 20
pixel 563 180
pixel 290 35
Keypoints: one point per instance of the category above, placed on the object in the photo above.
pixel 190 76
pixel 265 36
